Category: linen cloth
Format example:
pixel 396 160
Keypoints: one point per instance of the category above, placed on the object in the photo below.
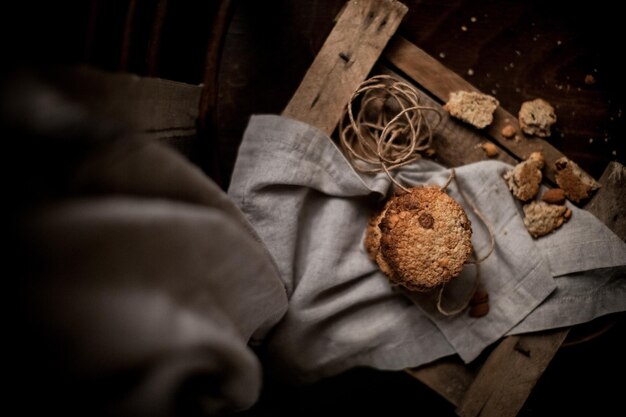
pixel 311 208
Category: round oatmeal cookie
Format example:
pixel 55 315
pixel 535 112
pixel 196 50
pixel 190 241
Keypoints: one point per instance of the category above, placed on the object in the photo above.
pixel 420 239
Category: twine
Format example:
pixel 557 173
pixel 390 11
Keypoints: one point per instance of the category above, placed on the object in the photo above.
pixel 477 261
pixel 390 129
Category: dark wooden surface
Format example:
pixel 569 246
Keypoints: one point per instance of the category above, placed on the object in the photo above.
pixel 518 49
pixel 344 62
pixel 512 52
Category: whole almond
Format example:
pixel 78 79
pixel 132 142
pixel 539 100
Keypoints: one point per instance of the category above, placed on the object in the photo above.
pixel 479 310
pixel 508 131
pixel 490 149
pixel 480 297
pixel 554 196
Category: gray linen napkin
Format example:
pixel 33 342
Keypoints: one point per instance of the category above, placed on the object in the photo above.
pixel 311 208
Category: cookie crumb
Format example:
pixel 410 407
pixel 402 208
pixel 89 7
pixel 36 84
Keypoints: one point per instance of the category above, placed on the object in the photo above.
pixel 576 183
pixel 536 117
pixel 541 218
pixel 590 79
pixel 474 108
pixel 524 179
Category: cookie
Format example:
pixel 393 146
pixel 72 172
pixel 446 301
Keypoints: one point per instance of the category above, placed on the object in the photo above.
pixel 536 117
pixel 576 183
pixel 473 108
pixel 541 218
pixel 420 239
pixel 524 180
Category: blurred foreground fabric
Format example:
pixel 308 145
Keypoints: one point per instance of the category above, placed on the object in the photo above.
pixel 138 286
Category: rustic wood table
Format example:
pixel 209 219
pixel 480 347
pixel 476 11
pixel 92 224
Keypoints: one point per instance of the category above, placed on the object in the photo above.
pixel 515 52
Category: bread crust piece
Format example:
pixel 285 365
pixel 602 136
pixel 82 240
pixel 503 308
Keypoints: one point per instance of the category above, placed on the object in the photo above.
pixel 536 117
pixel 524 180
pixel 541 218
pixel 473 108
pixel 420 239
pixel 576 183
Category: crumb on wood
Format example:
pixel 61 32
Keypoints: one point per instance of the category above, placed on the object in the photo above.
pixel 590 79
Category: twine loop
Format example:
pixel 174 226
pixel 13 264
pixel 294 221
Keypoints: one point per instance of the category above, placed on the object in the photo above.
pixel 386 126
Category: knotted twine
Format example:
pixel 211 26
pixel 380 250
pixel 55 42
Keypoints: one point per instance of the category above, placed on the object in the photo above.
pixel 391 130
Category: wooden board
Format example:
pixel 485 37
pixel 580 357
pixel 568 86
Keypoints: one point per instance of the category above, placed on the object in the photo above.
pixel 455 144
pixel 344 61
pixel 439 81
pixel 509 374
pixel 609 203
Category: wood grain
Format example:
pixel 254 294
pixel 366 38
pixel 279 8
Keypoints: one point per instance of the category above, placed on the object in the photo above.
pixel 434 77
pixel 609 203
pixel 509 374
pixel 455 143
pixel 449 377
pixel 505 380
pixel 344 61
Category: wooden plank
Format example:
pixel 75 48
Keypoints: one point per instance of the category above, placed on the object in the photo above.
pixel 449 377
pixel 154 108
pixel 509 374
pixel 344 61
pixel 440 81
pixel 609 202
pixel 455 144
pixel 505 380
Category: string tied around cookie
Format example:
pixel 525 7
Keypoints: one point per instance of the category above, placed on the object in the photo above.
pixel 477 261
pixel 386 127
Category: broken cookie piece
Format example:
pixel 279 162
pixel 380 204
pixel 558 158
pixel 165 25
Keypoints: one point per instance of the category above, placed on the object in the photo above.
pixel 541 218
pixel 525 178
pixel 576 183
pixel 473 108
pixel 536 117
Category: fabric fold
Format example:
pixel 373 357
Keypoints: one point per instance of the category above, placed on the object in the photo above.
pixel 311 208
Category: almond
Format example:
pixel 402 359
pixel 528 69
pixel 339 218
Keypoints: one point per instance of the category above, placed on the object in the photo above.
pixel 554 196
pixel 508 131
pixel 479 310
pixel 480 297
pixel 490 149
